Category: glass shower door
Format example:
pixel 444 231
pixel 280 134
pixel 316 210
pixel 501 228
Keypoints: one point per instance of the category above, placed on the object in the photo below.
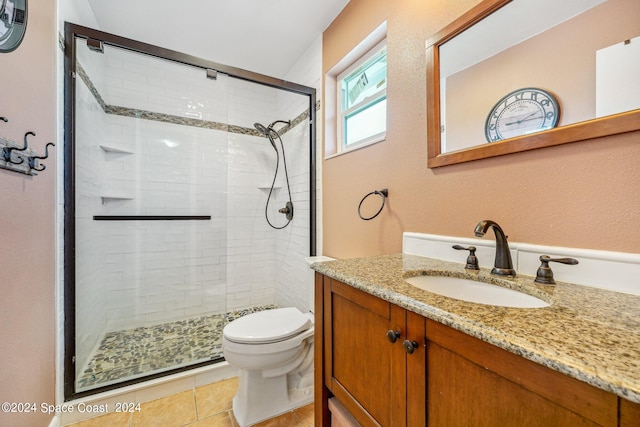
pixel 150 181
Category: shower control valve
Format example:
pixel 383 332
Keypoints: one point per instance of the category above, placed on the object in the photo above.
pixel 287 210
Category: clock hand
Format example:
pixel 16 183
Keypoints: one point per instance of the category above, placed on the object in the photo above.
pixel 526 117
pixel 523 120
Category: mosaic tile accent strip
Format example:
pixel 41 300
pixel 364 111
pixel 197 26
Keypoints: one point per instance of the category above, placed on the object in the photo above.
pixel 166 118
pixel 92 88
pixel 132 353
pixel 179 120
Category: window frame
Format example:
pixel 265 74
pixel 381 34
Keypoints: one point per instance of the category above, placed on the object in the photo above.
pixel 342 113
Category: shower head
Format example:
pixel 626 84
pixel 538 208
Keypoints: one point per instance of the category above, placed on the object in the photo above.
pixel 266 132
pixel 286 122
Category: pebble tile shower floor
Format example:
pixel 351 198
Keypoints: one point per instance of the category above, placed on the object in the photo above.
pixel 132 353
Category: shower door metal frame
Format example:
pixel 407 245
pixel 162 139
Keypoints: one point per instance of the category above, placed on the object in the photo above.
pixel 73 32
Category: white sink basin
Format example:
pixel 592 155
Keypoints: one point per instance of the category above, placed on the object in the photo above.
pixel 478 292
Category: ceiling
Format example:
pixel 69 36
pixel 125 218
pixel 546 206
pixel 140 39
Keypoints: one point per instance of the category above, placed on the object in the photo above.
pixel 264 36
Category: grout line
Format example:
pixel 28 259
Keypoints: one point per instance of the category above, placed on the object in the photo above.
pixel 195 403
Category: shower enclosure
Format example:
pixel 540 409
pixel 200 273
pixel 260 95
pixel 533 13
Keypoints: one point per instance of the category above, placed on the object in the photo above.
pixel 166 184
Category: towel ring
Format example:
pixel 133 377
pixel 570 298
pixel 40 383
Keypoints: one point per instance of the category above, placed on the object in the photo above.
pixel 382 193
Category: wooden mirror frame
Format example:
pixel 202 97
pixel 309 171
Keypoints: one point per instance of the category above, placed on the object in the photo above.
pixel 595 128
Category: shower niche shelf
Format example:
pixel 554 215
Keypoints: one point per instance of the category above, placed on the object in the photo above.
pixel 115 149
pixel 113 197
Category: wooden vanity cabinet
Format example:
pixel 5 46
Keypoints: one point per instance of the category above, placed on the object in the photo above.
pixel 371 376
pixel 450 379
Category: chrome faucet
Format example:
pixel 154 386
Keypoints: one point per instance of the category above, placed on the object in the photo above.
pixel 503 265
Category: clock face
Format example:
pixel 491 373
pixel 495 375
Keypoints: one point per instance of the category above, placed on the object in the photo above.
pixel 13 23
pixel 522 112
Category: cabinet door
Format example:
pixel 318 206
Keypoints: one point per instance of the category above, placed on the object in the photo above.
pixel 629 413
pixel 416 372
pixel 471 382
pixel 363 369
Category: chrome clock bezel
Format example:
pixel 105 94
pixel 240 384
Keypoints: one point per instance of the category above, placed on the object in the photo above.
pixel 13 24
pixel 522 112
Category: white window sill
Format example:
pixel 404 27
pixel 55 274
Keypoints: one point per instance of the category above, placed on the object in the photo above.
pixel 380 138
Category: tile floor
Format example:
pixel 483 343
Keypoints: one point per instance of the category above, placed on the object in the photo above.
pixel 206 406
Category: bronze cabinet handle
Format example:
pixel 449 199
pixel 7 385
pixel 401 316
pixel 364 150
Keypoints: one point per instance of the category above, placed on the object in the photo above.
pixel 409 346
pixel 392 335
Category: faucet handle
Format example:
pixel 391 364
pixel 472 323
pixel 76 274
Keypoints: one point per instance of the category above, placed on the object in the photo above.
pixel 472 260
pixel 544 274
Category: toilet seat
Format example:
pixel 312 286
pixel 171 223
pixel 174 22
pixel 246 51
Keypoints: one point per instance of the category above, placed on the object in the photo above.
pixel 268 326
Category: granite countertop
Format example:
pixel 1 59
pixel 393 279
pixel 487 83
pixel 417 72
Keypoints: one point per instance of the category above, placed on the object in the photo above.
pixel 590 334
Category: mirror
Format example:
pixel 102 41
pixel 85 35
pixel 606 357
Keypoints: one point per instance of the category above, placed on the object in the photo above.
pixel 516 75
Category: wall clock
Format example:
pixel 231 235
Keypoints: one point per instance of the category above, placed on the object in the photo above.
pixel 521 112
pixel 13 24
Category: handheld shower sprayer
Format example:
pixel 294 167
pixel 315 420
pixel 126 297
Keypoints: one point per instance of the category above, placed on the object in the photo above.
pixel 266 132
pixel 269 131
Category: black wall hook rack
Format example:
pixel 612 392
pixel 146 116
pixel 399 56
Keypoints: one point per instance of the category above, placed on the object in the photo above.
pixel 21 159
pixel 384 193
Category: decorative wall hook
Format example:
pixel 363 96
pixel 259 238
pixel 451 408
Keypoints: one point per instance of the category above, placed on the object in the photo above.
pixel 26 143
pixel 7 150
pixel 13 156
pixel 6 154
pixel 33 164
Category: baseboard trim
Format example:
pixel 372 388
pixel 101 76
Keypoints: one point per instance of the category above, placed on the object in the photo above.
pixel 55 421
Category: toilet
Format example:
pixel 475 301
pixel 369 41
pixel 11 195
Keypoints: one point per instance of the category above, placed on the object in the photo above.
pixel 273 351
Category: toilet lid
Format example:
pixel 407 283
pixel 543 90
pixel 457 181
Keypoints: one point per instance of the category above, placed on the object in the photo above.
pixel 267 326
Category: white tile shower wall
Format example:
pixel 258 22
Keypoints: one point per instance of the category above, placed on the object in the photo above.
pixel 250 103
pixel 91 313
pixel 294 285
pixel 292 243
pixel 153 294
pixel 250 266
pixel 172 275
pixel 161 271
pixel 142 82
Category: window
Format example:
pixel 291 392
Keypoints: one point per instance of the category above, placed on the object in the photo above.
pixel 362 100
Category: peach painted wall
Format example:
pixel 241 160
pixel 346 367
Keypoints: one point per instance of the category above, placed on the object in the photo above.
pixel 584 195
pixel 27 223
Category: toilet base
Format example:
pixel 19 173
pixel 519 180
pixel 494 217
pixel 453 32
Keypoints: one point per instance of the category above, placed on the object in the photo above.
pixel 261 398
